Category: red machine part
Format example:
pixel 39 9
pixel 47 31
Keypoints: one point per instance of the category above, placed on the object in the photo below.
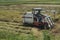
pixel 36 23
pixel 39 23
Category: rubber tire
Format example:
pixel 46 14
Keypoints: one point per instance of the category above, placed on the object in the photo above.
pixel 46 26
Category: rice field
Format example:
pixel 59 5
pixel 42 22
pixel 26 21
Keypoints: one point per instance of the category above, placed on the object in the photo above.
pixel 11 26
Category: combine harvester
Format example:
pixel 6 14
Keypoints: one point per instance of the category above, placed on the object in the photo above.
pixel 37 19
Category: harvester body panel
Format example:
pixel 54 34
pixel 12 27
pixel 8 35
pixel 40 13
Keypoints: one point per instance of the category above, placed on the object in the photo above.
pixel 28 18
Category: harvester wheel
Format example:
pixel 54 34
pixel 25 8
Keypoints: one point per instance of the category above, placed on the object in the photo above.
pixel 46 26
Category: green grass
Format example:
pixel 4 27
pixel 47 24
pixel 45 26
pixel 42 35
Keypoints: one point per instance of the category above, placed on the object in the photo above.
pixel 30 0
pixel 6 2
pixel 7 36
pixel 4 35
